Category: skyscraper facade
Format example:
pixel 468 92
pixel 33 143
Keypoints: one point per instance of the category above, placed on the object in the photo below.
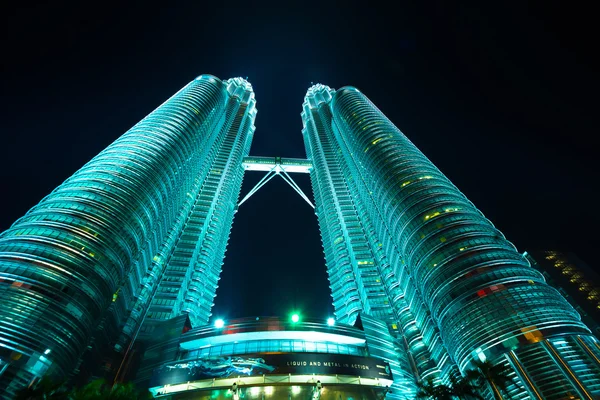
pixel 579 283
pixel 403 243
pixel 138 232
pixel 131 246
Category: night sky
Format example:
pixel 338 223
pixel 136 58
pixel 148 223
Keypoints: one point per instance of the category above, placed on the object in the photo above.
pixel 503 99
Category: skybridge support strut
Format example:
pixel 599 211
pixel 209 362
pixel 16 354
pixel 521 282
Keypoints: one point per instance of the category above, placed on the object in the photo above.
pixel 277 166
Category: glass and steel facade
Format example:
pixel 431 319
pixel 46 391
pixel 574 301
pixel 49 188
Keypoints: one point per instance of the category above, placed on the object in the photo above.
pixel 139 231
pixel 462 286
pixel 361 274
pixel 130 249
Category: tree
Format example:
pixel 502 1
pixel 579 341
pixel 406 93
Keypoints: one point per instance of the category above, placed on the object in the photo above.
pixel 463 387
pixel 47 389
pixel 95 390
pixel 100 390
pixel 428 389
pixel 44 388
pixel 128 391
pixel 497 376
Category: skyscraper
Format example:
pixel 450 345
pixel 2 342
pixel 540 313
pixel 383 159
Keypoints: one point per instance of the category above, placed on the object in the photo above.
pixel 423 285
pixel 403 243
pixel 138 232
pixel 579 283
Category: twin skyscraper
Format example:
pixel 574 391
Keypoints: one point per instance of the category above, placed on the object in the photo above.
pixel 137 237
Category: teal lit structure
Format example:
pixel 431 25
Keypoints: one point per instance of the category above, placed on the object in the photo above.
pixel 128 251
pixel 404 244
pixel 138 232
pixel 271 358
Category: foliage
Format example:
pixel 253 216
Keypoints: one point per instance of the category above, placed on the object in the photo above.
pixel 95 390
pixel 100 390
pixel 428 389
pixel 464 387
pixel 459 388
pixel 497 376
pixel 44 388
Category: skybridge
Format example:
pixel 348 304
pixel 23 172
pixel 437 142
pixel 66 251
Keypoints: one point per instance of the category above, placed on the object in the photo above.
pixel 277 166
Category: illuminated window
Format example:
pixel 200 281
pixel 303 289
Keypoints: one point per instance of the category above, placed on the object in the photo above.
pixel 429 216
pixel 585 287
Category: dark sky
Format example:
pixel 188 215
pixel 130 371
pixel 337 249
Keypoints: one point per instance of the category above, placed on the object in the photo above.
pixel 503 99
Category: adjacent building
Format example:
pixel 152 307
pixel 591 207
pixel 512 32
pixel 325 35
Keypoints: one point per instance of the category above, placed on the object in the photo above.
pixel 574 278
